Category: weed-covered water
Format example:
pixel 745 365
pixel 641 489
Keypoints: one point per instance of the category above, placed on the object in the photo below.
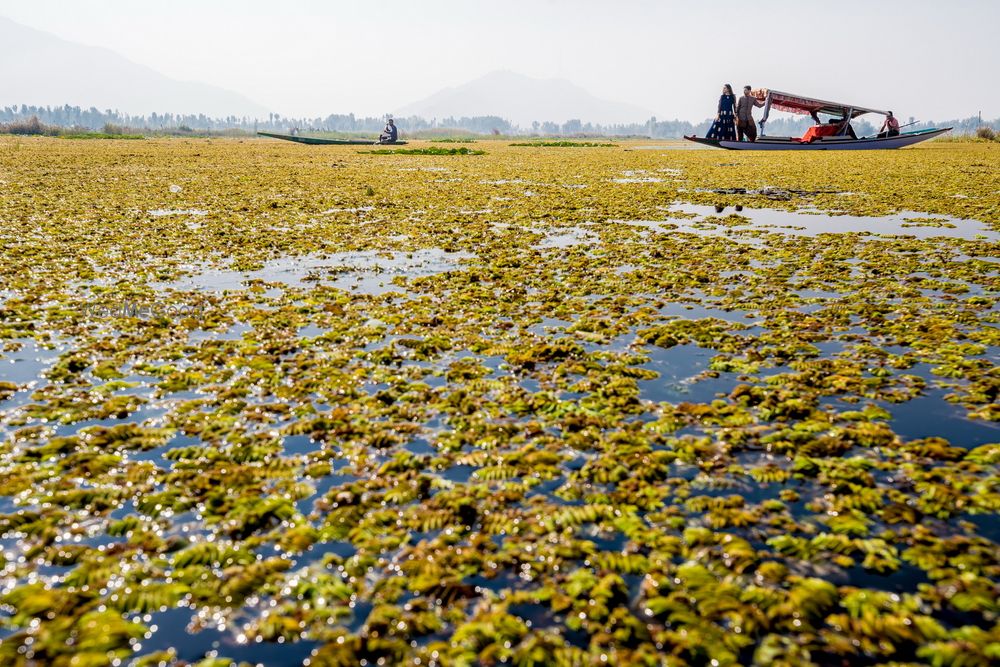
pixel 363 413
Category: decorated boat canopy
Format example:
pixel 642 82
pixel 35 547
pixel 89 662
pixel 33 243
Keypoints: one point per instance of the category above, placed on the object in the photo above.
pixel 835 133
pixel 806 105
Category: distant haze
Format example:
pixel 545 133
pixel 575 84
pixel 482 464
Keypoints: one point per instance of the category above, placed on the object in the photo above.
pixel 521 100
pixel 921 58
pixel 40 69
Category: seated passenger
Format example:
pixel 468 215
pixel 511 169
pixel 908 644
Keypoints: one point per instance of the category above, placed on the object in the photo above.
pixel 849 131
pixel 390 134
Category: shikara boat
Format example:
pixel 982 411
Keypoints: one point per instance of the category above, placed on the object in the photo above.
pixel 300 139
pixel 828 137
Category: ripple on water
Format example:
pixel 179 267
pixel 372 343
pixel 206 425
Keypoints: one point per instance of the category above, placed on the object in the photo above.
pixel 162 212
pixel 931 415
pixel 679 368
pixel 811 223
pixel 566 237
pixel 364 271
pixel 172 632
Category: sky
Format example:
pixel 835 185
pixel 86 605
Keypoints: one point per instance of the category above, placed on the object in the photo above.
pixel 922 58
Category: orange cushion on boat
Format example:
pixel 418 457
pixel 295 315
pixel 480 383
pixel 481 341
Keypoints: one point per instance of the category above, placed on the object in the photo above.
pixel 817 131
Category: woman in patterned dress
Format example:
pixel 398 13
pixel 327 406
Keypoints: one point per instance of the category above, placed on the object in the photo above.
pixel 724 127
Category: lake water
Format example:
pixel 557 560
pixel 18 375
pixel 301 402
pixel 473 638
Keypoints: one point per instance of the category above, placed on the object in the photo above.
pixel 681 376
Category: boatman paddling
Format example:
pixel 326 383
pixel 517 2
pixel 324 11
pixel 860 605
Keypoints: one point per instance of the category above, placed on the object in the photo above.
pixel 389 134
pixel 744 115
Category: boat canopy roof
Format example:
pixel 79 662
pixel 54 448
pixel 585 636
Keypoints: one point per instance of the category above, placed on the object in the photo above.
pixel 792 103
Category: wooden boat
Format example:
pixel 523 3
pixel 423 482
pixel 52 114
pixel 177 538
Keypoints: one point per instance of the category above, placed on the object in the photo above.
pixel 300 139
pixel 837 139
pixel 835 143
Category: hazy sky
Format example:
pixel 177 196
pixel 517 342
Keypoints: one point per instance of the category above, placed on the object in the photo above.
pixel 926 58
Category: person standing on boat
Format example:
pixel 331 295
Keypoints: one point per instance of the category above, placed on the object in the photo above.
pixel 724 127
pixel 744 116
pixel 890 128
pixel 390 134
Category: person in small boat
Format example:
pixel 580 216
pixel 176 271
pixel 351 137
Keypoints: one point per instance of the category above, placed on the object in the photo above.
pixel 724 127
pixel 890 128
pixel 745 127
pixel 390 134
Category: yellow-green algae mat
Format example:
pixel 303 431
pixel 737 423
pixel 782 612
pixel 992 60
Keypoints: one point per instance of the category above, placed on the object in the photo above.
pixel 278 404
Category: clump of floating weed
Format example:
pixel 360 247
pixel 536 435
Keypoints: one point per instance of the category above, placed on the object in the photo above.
pixel 434 150
pixel 563 144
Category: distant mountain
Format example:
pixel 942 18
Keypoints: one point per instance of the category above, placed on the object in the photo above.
pixel 521 100
pixel 39 68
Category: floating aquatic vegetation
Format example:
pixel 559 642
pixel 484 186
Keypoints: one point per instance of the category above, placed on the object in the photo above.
pixel 564 144
pixel 256 409
pixel 425 151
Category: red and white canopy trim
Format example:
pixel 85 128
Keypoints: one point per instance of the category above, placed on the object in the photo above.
pixel 791 103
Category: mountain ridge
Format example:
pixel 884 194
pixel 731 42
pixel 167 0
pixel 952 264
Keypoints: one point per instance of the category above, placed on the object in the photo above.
pixel 40 68
pixel 522 100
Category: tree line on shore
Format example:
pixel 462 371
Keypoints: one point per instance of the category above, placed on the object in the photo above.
pixel 27 119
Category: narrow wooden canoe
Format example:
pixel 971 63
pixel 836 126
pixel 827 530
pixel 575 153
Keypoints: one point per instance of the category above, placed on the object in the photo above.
pixel 299 139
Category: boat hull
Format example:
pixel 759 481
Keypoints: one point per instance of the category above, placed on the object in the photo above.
pixel 299 139
pixel 838 144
